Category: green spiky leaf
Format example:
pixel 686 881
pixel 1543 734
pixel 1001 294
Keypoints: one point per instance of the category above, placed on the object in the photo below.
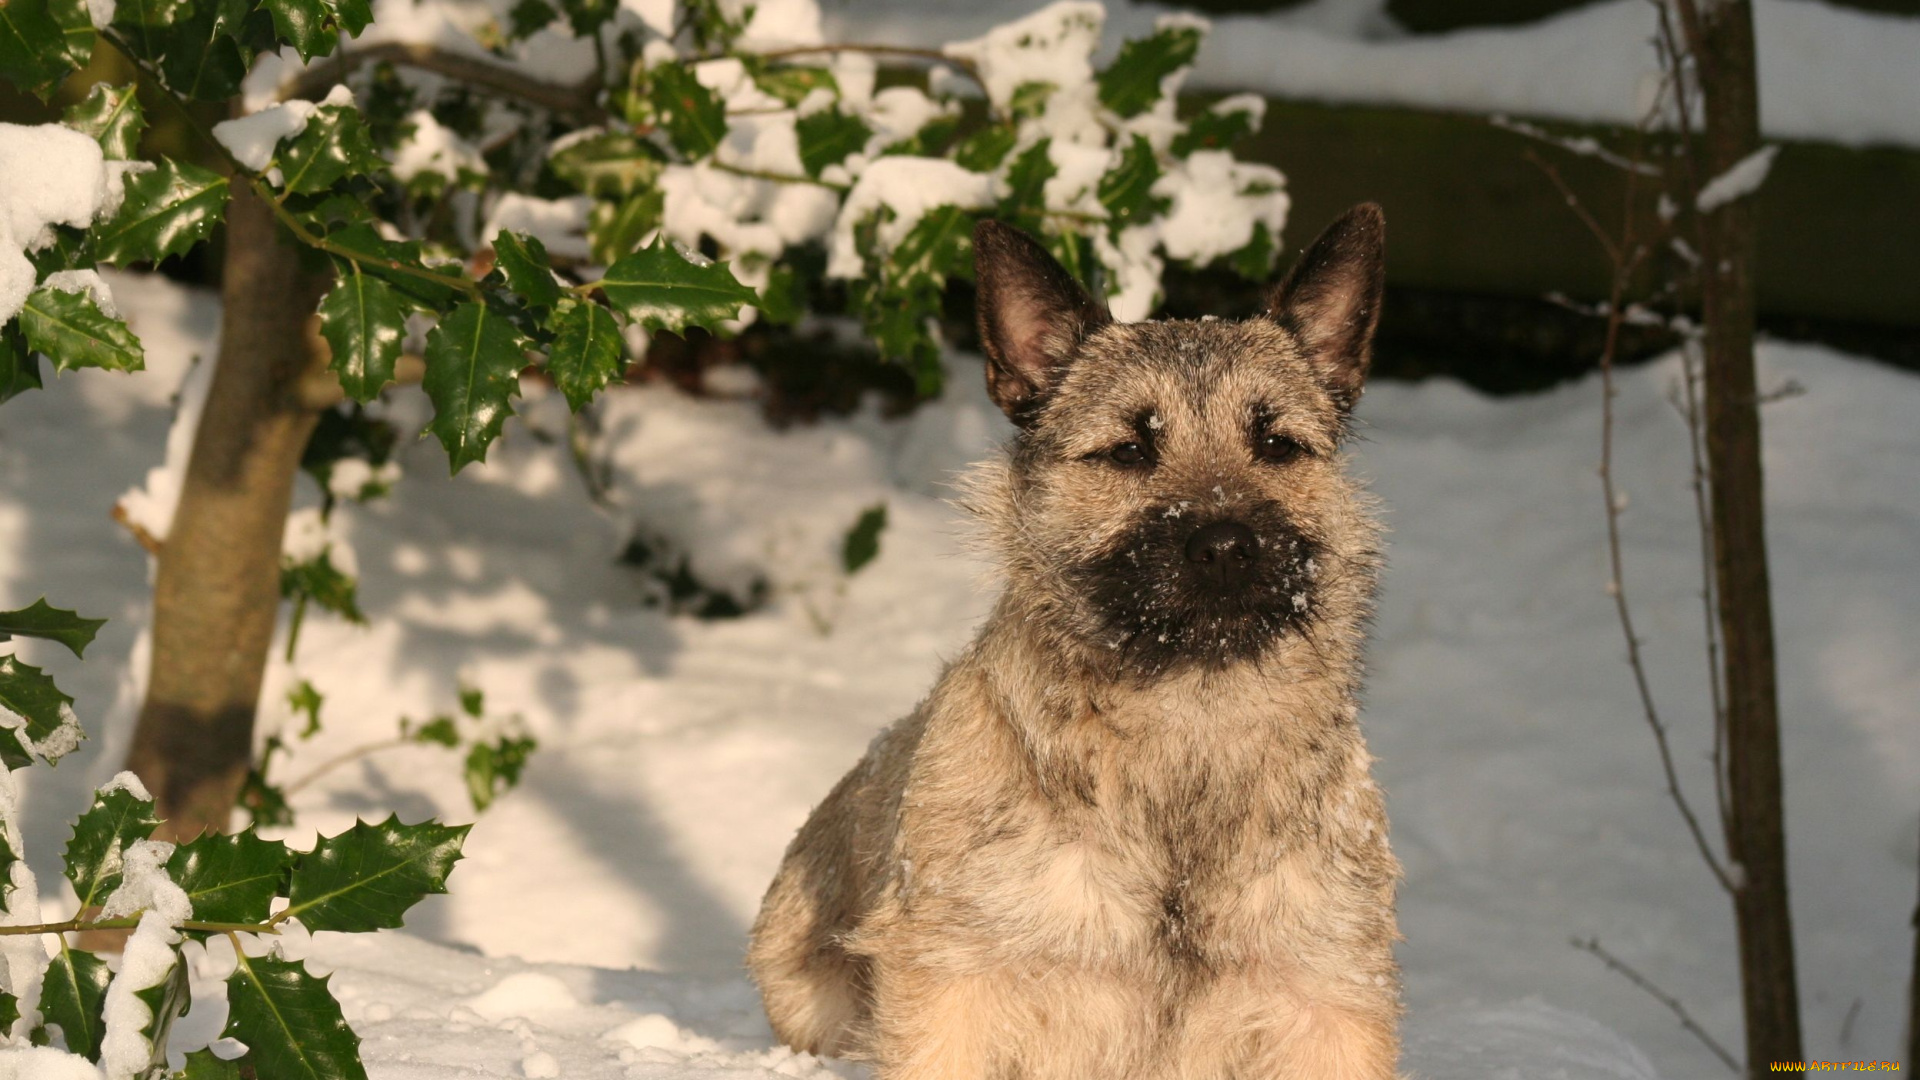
pixel 473 372
pixel 616 229
pixel 290 1022
pixel 167 211
pixel 984 150
pixel 206 54
pixel 333 146
pixel 303 698
pixel 41 620
pixel 586 353
pixel 112 115
pixel 29 693
pixel 1030 99
pixel 74 995
pixel 74 333
pixel 19 367
pixel 1131 84
pixel 493 769
pixel 230 878
pixel 1026 183
pixel 610 165
pixel 306 25
pixel 319 581
pixel 939 246
pixel 1213 130
pixel 661 289
pixel 398 264
pixel 363 323
pixel 693 116
pixel 1254 262
pixel 367 877
pixel 792 83
pixel 202 1065
pixel 523 260
pixel 440 731
pixel 827 137
pixel 9 1010
pixel 93 856
pixel 34 53
pixel 1127 190
pixel 862 544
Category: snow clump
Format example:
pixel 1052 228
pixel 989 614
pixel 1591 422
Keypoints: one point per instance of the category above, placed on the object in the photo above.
pixel 49 175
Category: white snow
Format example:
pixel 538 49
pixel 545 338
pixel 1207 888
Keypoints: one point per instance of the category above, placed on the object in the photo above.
pixel 125 1050
pixel 49 175
pixel 126 781
pixel 432 147
pixel 1742 179
pixel 86 281
pixel 1827 73
pixel 145 886
pixel 150 504
pixel 100 13
pixel 677 756
pixel 23 959
pixel 1053 45
pixel 559 224
pixel 43 1063
pixel 910 187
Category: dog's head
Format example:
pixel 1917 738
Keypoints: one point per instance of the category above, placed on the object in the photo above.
pixel 1176 496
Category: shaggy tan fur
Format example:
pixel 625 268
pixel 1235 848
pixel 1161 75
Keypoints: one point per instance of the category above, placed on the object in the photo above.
pixel 1070 863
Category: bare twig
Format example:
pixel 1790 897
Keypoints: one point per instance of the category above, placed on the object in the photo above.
pixel 139 532
pixel 287 790
pixel 1585 145
pixel 1709 603
pixel 931 56
pixel 1619 966
pixel 581 99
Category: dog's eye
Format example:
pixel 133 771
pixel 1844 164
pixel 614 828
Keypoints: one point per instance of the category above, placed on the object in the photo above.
pixel 1128 454
pixel 1276 448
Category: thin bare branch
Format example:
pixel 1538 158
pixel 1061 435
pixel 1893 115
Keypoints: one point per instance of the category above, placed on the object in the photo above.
pixel 138 531
pixel 580 99
pixel 1583 145
pixel 1687 1022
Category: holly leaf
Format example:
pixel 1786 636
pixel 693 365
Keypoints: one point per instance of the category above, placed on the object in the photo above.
pixel 523 259
pixel 112 115
pixel 116 819
pixel 367 877
pixel 74 996
pixel 587 16
pixel 41 620
pixel 616 229
pixel 1131 84
pixel 305 699
pixel 493 769
pixel 984 150
pixel 792 83
pixel 202 1065
pixel 939 245
pixel 19 367
pixel 390 260
pixel 9 1010
pixel 333 146
pixel 29 693
pixel 204 56
pixel 74 333
pixel 1127 190
pixel 304 24
pixel 661 289
pixel 363 323
pixel 290 1022
pixel 230 878
pixel 586 353
pixel 167 211
pixel 1026 181
pixel 352 16
pixel 1213 130
pixel 827 137
pixel 318 580
pixel 862 543
pixel 33 47
pixel 473 366
pixel 694 117
pixel 1255 261
pixel 609 165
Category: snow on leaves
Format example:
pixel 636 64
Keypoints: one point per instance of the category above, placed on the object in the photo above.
pixel 168 209
pixel 94 852
pixel 28 693
pixel 231 878
pixel 74 996
pixel 1132 83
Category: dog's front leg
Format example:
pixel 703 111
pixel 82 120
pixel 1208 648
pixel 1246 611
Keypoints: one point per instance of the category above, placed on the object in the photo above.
pixel 935 1025
pixel 1327 1042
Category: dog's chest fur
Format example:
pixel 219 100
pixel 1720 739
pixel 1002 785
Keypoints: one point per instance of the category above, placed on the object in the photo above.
pixel 1204 824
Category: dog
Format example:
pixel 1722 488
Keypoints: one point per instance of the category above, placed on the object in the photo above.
pixel 1132 834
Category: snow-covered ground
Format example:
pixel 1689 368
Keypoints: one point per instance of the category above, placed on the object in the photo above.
pixel 1827 73
pixel 597 926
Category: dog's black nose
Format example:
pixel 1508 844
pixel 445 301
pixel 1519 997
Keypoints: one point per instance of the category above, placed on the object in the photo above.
pixel 1223 550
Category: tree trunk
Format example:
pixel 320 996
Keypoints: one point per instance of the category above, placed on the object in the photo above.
pixel 217 591
pixel 1720 37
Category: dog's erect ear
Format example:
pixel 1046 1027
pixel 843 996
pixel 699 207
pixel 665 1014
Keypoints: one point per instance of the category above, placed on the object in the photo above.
pixel 1331 298
pixel 1033 315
